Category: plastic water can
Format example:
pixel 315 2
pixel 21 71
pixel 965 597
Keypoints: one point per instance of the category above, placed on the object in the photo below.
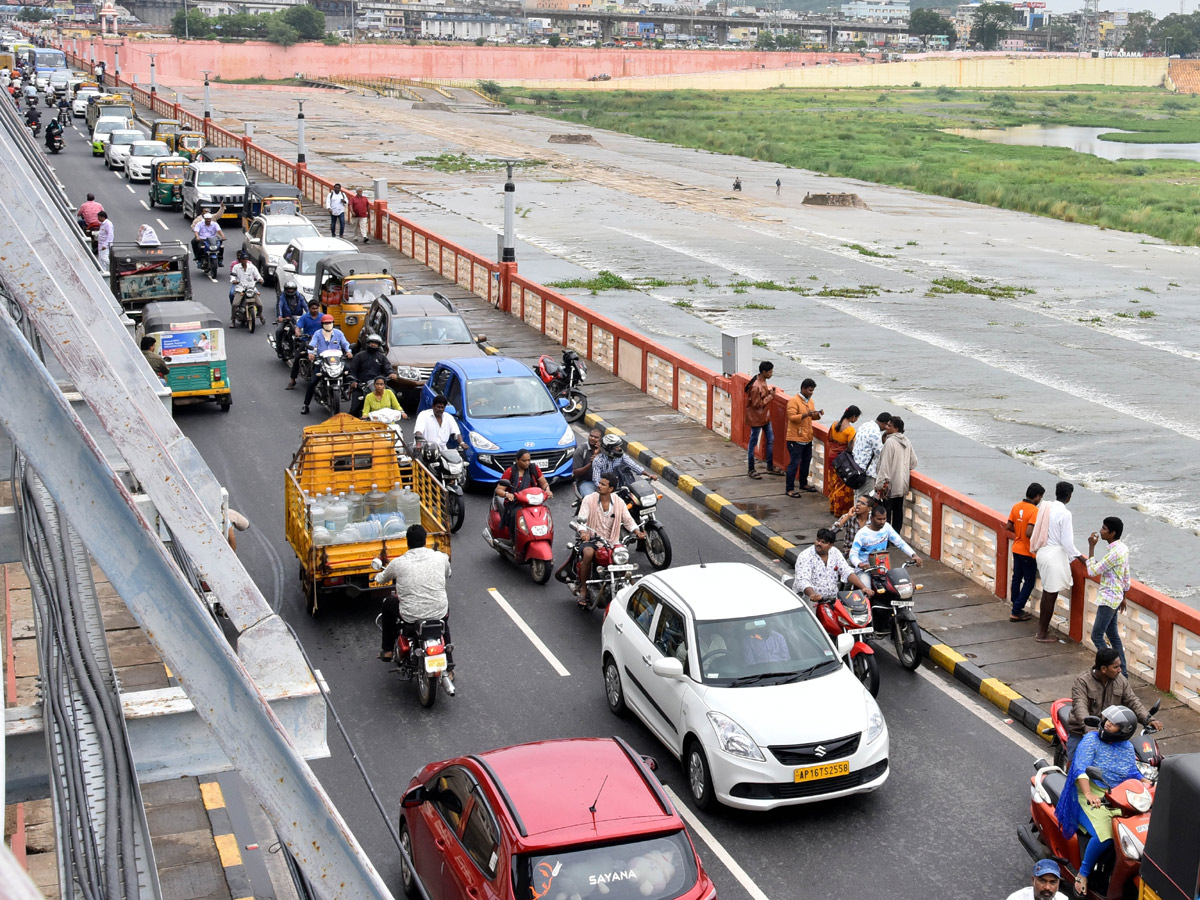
pixel 409 506
pixel 355 505
pixel 376 501
pixel 337 516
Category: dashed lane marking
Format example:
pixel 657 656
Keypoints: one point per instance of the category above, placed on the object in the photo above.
pixel 129 187
pixel 145 205
pixel 165 226
pixel 717 848
pixel 529 633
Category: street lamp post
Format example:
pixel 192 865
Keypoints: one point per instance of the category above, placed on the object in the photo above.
pixel 508 253
pixel 300 155
pixel 207 96
pixel 187 36
pixel 831 29
pixel 153 84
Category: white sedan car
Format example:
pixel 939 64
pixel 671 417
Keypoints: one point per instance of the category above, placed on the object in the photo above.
pixel 140 161
pixel 118 146
pixel 733 673
pixel 80 104
pixel 268 237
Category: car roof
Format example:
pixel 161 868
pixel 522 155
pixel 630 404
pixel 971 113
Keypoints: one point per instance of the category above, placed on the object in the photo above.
pixel 706 590
pixel 411 305
pixel 489 366
pixel 129 131
pixel 550 787
pixel 307 244
pixel 280 219
pixel 217 166
pixel 143 142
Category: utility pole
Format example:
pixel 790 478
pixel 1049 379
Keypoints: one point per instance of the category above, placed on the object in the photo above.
pixel 153 84
pixel 187 36
pixel 509 252
pixel 207 97
pixel 300 155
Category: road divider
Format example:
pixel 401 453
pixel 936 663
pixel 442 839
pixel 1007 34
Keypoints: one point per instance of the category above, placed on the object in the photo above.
pixel 529 633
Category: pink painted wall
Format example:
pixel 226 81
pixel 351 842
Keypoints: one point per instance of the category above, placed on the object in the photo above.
pixel 252 60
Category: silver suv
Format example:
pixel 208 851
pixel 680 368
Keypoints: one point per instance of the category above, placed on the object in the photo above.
pixel 207 185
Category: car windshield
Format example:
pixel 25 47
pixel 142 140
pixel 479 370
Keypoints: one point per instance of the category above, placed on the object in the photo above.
pixel 413 331
pixel 656 868
pixel 364 291
pixel 155 148
pixel 285 234
pixel 770 649
pixel 221 179
pixel 506 398
pixel 108 127
pixel 173 171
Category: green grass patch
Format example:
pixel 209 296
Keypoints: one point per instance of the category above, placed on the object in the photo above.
pixel 976 286
pixel 753 305
pixel 604 281
pixel 1146 288
pixel 1146 314
pixel 758 342
pixel 683 304
pixel 863 290
pixel 462 162
pixel 867 251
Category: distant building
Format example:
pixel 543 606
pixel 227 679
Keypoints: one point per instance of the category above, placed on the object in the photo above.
pixel 896 11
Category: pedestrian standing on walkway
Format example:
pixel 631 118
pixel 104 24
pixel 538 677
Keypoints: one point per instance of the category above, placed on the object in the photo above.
pixel 801 413
pixel 758 416
pixel 336 202
pixel 104 240
pixel 1113 571
pixel 896 464
pixel 1053 543
pixel 841 498
pixel 778 185
pixel 361 207
pixel 1024 565
pixel 867 447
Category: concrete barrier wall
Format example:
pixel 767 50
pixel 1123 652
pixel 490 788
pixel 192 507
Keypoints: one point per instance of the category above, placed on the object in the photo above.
pixel 965 72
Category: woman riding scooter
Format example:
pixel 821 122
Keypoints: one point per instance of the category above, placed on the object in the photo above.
pixel 1108 749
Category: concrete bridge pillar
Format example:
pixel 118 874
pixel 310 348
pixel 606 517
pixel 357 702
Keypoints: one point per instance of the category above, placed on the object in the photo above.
pixel 722 34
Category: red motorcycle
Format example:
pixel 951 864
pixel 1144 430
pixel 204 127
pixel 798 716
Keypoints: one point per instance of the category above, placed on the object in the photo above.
pixel 1117 874
pixel 534 540
pixel 611 571
pixel 563 382
pixel 1145 747
pixel 850 612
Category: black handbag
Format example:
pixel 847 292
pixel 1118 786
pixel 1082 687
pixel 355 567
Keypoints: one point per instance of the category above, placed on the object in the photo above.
pixel 852 474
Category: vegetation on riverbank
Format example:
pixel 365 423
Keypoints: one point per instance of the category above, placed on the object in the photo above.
pixel 899 137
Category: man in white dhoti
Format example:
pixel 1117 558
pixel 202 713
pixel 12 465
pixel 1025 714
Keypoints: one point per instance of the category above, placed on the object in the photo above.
pixel 1053 541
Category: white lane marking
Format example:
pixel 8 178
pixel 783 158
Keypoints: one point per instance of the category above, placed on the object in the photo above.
pixel 529 633
pixel 714 845
pixel 129 187
pixel 163 224
pixel 145 205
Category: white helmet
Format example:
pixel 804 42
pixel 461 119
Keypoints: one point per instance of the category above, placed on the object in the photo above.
pixel 611 445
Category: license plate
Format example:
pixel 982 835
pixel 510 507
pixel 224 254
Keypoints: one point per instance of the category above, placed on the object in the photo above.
pixel 435 663
pixel 627 567
pixel 867 630
pixel 902 604
pixel 816 773
pixel 541 463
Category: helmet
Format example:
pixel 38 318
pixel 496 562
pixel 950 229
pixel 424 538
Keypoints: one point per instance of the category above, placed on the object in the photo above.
pixel 374 339
pixel 611 445
pixel 290 288
pixel 327 318
pixel 1123 718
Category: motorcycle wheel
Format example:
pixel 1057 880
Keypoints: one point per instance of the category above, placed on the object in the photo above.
pixel 908 643
pixel 426 686
pixel 576 407
pixel 657 546
pixel 335 402
pixel 251 318
pixel 455 511
pixel 540 570
pixel 866 669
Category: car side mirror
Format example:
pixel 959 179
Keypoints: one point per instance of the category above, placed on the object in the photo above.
pixel 480 338
pixel 845 643
pixel 668 667
pixel 414 798
pixel 287 267
pixel 451 410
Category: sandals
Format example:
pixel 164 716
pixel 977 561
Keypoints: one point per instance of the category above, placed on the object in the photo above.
pixel 754 474
pixel 795 493
pixel 774 471
pixel 1021 617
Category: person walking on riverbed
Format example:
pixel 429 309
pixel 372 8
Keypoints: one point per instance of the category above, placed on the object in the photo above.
pixel 1113 571
pixel 1053 542
pixel 758 416
pixel 1024 565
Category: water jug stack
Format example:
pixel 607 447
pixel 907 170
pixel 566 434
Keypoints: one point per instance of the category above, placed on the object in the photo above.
pixel 377 501
pixel 350 517
pixel 356 504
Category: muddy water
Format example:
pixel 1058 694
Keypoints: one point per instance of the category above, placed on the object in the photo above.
pixel 1081 140
pixel 1091 376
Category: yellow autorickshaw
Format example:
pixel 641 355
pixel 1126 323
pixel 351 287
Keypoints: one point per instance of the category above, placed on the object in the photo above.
pixel 166 130
pixel 348 283
pixel 188 144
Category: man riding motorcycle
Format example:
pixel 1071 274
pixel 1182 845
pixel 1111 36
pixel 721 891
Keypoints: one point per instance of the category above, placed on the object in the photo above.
pixel 365 368
pixel 306 326
pixel 243 275
pixel 875 537
pixel 436 426
pixel 602 516
pixel 420 577
pixel 611 460
pixel 33 117
pixel 1095 690
pixel 328 338
pixel 289 304
pixel 821 569
pixel 205 229
pixel 53 130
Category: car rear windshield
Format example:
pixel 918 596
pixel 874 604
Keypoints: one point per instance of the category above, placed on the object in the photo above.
pixel 221 179
pixel 285 234
pixel 414 331
pixel 108 127
pixel 118 138
pixel 657 868
pixel 770 649
pixel 507 398
pixel 154 149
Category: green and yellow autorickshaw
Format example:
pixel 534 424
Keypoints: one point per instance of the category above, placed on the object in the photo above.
pixel 189 336
pixel 166 182
pixel 188 144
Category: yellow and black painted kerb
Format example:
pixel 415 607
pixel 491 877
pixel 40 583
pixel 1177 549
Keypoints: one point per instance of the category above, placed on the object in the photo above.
pixel 227 843
pixel 1021 710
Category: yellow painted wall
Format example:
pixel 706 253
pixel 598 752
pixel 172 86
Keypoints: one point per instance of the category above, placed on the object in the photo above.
pixel 980 72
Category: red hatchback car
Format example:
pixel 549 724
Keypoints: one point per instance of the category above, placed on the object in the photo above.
pixel 559 820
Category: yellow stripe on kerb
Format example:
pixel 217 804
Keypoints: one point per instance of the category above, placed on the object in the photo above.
pixel 210 792
pixel 590 419
pixel 658 463
pixel 633 448
pixel 746 522
pixel 715 502
pixel 616 431
pixel 946 657
pixel 998 692
pixel 1045 725
pixel 779 546
pixel 227 849
pixel 686 483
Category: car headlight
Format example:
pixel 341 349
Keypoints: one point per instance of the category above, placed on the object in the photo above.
pixel 273 258
pixel 479 442
pixel 1130 845
pixel 732 738
pixel 567 438
pixel 412 373
pixel 620 555
pixel 875 724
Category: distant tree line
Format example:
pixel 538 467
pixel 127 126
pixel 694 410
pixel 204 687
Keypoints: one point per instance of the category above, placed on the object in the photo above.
pixel 296 23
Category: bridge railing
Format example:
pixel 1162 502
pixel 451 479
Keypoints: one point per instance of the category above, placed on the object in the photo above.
pixel 1161 634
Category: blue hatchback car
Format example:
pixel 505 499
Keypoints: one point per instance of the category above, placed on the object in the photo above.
pixel 502 408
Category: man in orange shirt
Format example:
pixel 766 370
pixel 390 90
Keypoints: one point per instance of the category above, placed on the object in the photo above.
pixel 758 417
pixel 801 413
pixel 1024 564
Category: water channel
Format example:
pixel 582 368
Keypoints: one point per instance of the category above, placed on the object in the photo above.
pixel 1079 139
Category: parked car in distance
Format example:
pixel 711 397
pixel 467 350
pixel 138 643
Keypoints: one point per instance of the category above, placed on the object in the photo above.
pixel 300 258
pixel 582 817
pixel 749 693
pixel 139 162
pixel 502 408
pixel 116 148
pixel 268 236
pixel 419 331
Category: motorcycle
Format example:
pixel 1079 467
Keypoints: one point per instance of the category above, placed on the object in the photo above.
pixel 563 382
pixel 330 370
pixel 391 418
pixel 209 260
pixel 64 117
pixel 534 539
pixel 246 308
pixel 1145 747
pixel 447 466
pixel 35 127
pixel 611 571
pixel 642 499
pixel 420 654
pixel 892 608
pixel 285 347
pixel 54 142
pixel 1116 875
pixel 850 612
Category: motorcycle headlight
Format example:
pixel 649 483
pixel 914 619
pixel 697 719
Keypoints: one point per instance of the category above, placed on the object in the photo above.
pixel 1141 800
pixel 455 469
pixel 861 618
pixel 1149 772
pixel 567 438
pixel 904 591
pixel 334 368
pixel 732 738
pixel 875 724
pixel 620 555
pixel 479 442
pixel 1130 845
